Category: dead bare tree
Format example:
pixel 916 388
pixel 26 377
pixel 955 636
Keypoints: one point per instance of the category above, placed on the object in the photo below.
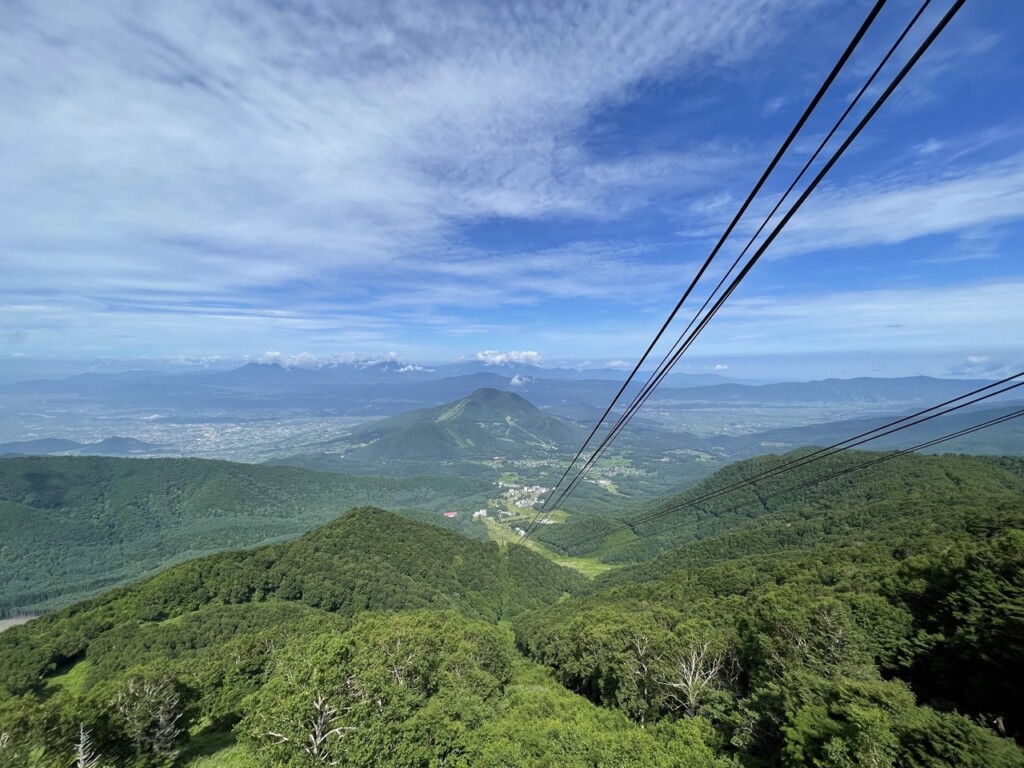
pixel 150 712
pixel 640 666
pixel 85 755
pixel 695 673
pixel 322 729
pixel 398 663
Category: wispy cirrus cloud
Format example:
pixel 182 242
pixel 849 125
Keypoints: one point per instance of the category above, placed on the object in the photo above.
pixel 899 210
pixel 231 177
pixel 223 138
pixel 959 317
pixel 935 201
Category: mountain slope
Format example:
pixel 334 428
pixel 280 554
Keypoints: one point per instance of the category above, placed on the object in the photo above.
pixel 39 447
pixel 72 525
pixel 958 483
pixel 367 559
pixel 877 619
pixel 884 630
pixel 486 423
pixel 480 426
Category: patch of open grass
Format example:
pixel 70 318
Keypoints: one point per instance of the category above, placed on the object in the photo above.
pixel 588 566
pixel 214 749
pixel 72 680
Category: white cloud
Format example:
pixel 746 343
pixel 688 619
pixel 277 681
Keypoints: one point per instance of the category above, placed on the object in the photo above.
pixel 898 210
pixel 930 147
pixel 986 366
pixel 309 360
pixel 912 319
pixel 297 178
pixel 308 168
pixel 501 358
pixel 300 360
pixel 199 150
pixel 772 106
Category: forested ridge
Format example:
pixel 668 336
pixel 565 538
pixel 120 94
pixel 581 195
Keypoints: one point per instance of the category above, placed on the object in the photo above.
pixel 875 620
pixel 71 526
pixel 793 508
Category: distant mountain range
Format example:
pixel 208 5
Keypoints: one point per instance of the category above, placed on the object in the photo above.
pixel 1002 439
pixel 389 388
pixel 910 389
pixel 427 417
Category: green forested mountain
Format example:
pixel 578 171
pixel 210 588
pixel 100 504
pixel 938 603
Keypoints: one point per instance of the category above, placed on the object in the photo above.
pixel 875 620
pixel 870 504
pixel 486 423
pixel 889 655
pixel 70 526
pixel 368 559
pixel 386 646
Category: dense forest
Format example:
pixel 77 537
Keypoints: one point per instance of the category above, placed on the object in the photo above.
pixel 874 620
pixel 792 509
pixel 73 526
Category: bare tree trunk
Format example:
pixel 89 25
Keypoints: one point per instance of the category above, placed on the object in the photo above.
pixel 695 673
pixel 322 728
pixel 85 756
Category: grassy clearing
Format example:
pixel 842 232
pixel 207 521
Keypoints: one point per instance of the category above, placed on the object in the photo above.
pixel 73 680
pixel 500 533
pixel 588 566
pixel 214 749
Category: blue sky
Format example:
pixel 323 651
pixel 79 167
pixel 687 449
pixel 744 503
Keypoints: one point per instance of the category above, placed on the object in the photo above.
pixel 332 180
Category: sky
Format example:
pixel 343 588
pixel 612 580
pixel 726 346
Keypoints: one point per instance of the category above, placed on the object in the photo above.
pixel 323 180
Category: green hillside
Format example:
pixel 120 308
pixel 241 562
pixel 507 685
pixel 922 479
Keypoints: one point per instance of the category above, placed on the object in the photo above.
pixel 876 620
pixel 367 559
pixel 854 504
pixel 896 655
pixel 70 526
pixel 868 622
pixel 382 627
pixel 487 423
